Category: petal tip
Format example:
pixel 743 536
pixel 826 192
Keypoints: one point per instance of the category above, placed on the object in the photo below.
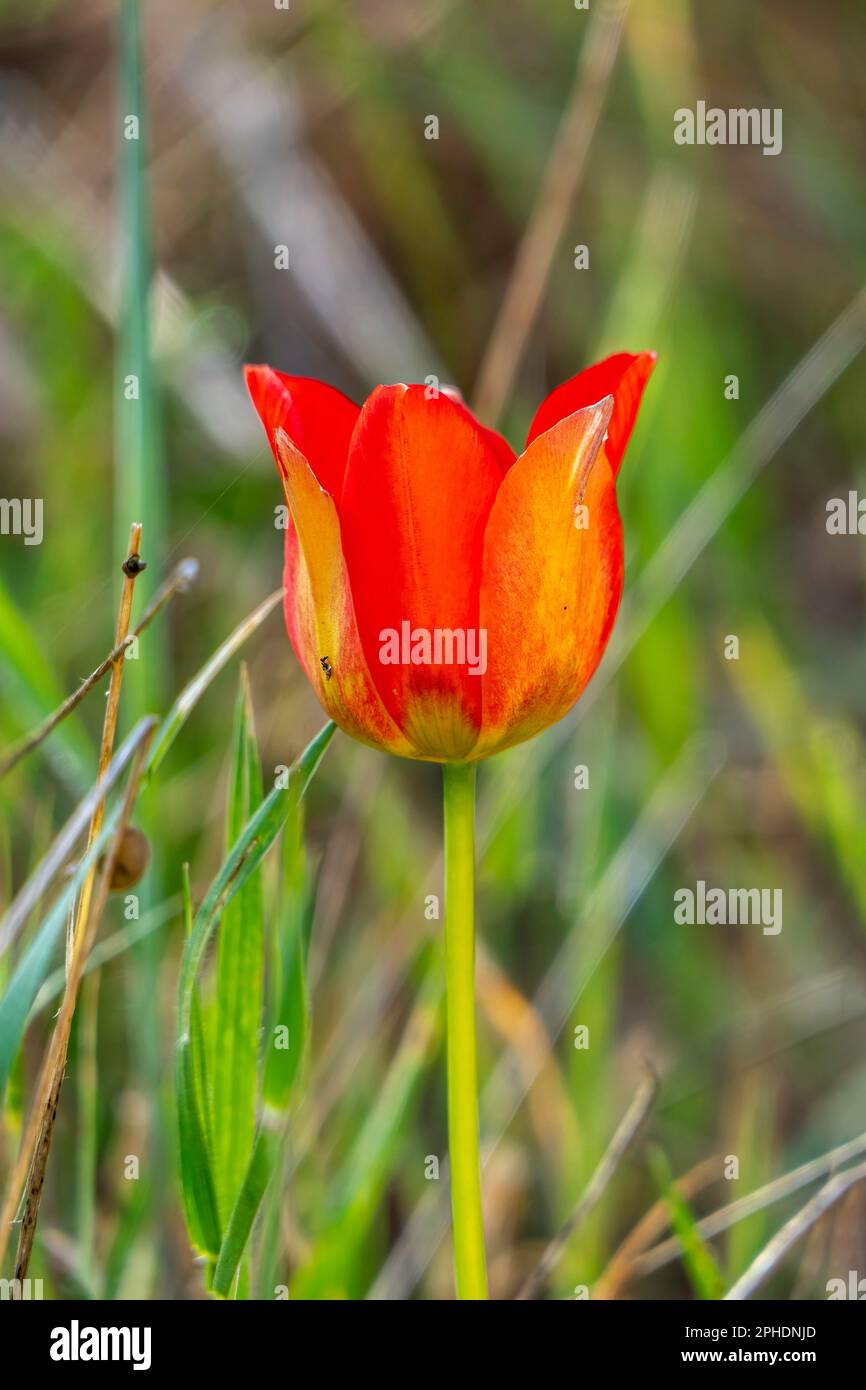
pixel 287 454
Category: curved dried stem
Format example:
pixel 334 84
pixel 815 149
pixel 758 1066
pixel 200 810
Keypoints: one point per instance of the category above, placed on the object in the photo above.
pixel 33 1151
pixel 775 1251
pixel 560 184
pixel 83 920
pixel 728 1216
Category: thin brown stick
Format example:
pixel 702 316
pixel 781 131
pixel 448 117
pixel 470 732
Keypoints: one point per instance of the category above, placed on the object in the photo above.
pixel 55 1057
pixel 626 1132
pixel 561 180
pixel 43 1116
pixel 775 1251
pixel 178 582
pixel 132 566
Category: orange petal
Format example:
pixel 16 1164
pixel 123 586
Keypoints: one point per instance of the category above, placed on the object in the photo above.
pixel 505 455
pixel 550 586
pixel 319 610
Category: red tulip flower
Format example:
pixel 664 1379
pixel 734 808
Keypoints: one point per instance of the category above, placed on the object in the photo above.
pixel 445 598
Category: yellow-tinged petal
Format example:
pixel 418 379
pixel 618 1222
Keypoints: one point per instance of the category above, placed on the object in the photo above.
pixel 319 609
pixel 551 579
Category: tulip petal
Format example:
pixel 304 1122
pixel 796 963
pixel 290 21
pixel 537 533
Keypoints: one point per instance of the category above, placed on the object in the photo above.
pixel 623 376
pixel 505 455
pixel 317 418
pixel 550 583
pixel 501 446
pixel 419 486
pixel 319 612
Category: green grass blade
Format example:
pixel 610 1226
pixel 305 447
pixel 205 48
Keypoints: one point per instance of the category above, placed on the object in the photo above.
pixel 818 755
pixel 193 691
pixel 288 1034
pixel 290 1025
pixel 64 844
pixel 140 482
pixel 35 962
pixel 197 1036
pixel 30 691
pixel 249 1198
pixel 333 1268
pixel 240 973
pixel 199 1192
pixel 705 1276
pixel 199 1196
pixel 246 855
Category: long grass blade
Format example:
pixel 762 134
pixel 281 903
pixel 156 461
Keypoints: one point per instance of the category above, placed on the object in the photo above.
pixel 246 855
pixel 193 691
pixel 199 1195
pixel 289 1030
pixel 249 1199
pixel 197 1183
pixel 333 1267
pixel 240 972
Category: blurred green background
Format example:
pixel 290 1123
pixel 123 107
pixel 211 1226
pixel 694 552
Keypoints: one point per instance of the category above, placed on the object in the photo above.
pixel 305 128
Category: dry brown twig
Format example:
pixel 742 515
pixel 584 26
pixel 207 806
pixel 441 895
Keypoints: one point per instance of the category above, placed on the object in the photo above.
pixel 84 919
pixel 54 1060
pixel 132 567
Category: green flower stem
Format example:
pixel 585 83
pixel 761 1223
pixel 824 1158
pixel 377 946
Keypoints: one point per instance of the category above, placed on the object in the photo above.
pixel 470 1269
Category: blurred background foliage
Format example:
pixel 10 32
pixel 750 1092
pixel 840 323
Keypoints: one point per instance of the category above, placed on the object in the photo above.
pixel 306 127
